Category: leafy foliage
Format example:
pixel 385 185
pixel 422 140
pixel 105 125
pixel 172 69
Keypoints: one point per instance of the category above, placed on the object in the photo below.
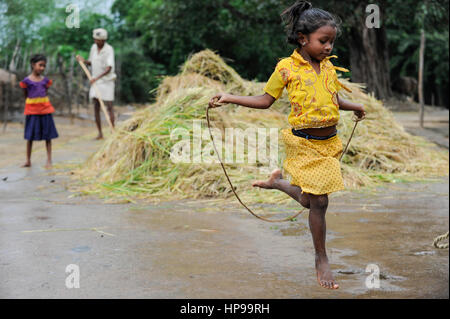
pixel 404 42
pixel 154 37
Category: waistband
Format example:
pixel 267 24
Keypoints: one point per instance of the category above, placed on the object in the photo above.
pixel 312 137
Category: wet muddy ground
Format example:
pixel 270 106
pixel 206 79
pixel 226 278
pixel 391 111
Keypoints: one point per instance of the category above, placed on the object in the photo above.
pixel 207 249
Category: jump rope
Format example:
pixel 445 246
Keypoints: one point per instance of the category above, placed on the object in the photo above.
pixel 217 104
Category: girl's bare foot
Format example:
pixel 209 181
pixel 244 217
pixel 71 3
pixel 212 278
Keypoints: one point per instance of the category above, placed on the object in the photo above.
pixel 27 164
pixel 270 183
pixel 48 165
pixel 99 137
pixel 324 274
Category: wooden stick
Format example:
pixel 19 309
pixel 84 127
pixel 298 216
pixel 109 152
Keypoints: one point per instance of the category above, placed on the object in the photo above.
pixel 88 74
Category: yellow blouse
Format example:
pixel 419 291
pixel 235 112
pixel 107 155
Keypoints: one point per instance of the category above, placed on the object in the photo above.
pixel 313 96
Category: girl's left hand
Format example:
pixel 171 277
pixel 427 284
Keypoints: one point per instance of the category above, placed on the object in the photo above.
pixel 218 100
pixel 360 113
pixel 93 80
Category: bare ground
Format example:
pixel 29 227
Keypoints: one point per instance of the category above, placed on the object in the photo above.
pixel 207 249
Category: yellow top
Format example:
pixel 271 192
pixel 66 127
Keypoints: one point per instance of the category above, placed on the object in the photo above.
pixel 313 96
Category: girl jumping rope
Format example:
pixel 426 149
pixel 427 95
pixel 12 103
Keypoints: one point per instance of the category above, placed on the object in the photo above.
pixel 312 146
pixel 39 124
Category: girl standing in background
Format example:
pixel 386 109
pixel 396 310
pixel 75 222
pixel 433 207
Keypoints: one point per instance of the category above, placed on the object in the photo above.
pixel 39 124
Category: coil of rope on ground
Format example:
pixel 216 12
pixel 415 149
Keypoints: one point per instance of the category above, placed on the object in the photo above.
pixel 439 239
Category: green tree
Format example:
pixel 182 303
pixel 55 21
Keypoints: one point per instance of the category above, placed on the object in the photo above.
pixel 248 32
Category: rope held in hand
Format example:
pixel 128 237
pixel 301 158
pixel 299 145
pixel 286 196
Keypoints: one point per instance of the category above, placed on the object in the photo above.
pixel 231 184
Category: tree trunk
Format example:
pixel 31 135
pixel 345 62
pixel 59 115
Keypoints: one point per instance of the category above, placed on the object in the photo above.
pixel 24 66
pixel 12 64
pixel 440 99
pixel 420 81
pixel 369 57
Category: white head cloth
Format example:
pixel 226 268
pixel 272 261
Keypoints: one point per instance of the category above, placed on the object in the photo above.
pixel 100 34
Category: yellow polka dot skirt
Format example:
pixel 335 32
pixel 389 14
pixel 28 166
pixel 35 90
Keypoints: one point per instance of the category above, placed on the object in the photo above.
pixel 313 164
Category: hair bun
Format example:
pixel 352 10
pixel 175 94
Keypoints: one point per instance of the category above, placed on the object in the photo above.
pixel 300 7
pixel 293 13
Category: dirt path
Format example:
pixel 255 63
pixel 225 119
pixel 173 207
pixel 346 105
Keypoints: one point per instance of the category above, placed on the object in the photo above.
pixel 206 249
pixel 435 128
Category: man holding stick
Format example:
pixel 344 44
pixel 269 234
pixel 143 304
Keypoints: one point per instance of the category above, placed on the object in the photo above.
pixel 101 59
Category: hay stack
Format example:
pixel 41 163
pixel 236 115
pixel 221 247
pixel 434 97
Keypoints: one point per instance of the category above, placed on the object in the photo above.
pixel 135 160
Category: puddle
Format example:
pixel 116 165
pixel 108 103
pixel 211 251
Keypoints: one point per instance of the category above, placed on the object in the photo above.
pixel 424 253
pixel 81 249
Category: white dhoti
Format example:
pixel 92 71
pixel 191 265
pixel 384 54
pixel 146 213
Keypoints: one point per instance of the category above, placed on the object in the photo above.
pixel 104 88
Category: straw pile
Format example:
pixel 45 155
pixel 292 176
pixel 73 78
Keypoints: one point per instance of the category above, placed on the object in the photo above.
pixel 135 161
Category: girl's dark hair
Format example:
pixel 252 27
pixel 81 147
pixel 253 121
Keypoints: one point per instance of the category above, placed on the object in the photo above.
pixel 37 57
pixel 302 17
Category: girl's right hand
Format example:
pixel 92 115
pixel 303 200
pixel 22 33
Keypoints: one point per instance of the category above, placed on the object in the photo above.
pixel 218 100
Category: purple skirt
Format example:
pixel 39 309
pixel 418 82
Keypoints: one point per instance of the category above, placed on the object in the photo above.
pixel 40 127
